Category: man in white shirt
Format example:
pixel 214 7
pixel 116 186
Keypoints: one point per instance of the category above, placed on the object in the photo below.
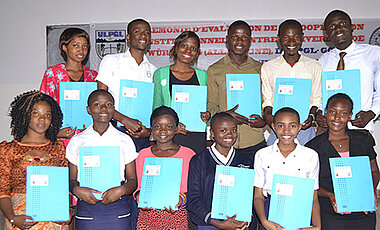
pixel 131 65
pixel 350 55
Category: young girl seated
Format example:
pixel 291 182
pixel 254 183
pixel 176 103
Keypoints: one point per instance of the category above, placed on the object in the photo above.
pixel 286 157
pixel 164 122
pixel 202 173
pixel 35 121
pixel 113 211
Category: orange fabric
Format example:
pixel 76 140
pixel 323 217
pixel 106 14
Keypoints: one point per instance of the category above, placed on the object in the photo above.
pixel 14 160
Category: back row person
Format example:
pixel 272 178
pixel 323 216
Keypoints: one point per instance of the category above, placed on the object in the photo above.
pixel 350 55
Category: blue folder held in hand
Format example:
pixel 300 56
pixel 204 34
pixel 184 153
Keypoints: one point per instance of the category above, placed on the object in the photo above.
pixel 342 81
pixel 353 186
pixel 189 101
pixel 244 89
pixel 291 201
pixel 160 183
pixel 294 93
pixel 73 102
pixel 47 193
pixel 99 168
pixel 233 193
pixel 136 100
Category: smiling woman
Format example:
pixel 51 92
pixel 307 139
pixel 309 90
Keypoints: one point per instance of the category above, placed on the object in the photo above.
pixel 74 44
pixel 184 53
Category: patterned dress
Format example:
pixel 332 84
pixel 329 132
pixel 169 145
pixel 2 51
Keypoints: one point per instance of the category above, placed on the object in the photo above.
pixel 58 73
pixel 14 158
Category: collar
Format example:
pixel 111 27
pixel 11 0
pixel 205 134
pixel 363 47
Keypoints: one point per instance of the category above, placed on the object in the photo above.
pixel 128 54
pixel 219 158
pixel 228 60
pixel 109 130
pixel 350 49
pixel 299 62
pixel 276 149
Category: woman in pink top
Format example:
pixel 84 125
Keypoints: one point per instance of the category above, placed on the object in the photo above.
pixel 164 122
pixel 74 44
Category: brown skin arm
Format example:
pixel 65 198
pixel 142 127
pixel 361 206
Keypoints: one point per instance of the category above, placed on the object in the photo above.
pixel 229 223
pixel 268 117
pixel 19 220
pixel 259 201
pixel 127 188
pixel 309 121
pixel 133 126
pixel 239 118
pixel 362 118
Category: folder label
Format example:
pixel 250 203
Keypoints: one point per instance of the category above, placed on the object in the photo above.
pixel 285 89
pixel 129 92
pixel 343 172
pixel 39 180
pixel 153 170
pixel 72 95
pixel 284 189
pixel 236 85
pixel 335 84
pixel 226 180
pixel 181 97
pixel 91 161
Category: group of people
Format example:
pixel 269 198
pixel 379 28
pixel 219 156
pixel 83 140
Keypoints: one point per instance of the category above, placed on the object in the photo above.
pixel 292 147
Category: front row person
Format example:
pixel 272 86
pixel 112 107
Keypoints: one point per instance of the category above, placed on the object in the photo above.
pixel 202 173
pixel 113 211
pixel 339 141
pixel 164 123
pixel 35 121
pixel 286 157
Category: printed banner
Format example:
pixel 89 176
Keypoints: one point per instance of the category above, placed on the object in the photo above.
pixel 110 38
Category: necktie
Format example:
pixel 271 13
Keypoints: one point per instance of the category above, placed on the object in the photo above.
pixel 341 61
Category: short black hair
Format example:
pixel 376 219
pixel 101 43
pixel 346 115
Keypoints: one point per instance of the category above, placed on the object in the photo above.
pixel 68 35
pixel 340 96
pixel 98 92
pixel 164 110
pixel 239 23
pixel 182 37
pixel 286 110
pixel 336 12
pixel 20 112
pixel 129 26
pixel 219 116
pixel 289 22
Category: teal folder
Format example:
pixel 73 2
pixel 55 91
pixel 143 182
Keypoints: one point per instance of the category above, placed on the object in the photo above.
pixel 342 81
pixel 294 93
pixel 160 183
pixel 189 101
pixel 136 100
pixel 73 102
pixel 244 89
pixel 353 186
pixel 99 168
pixel 291 201
pixel 233 193
pixel 47 193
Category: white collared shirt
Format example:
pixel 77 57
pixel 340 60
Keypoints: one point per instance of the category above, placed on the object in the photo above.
pixel 302 162
pixel 220 156
pixel 366 58
pixel 306 67
pixel 111 137
pixel 115 67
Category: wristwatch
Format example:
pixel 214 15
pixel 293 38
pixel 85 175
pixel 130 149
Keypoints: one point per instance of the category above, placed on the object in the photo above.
pixel 12 221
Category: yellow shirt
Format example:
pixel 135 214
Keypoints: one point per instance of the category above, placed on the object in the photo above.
pixel 217 95
pixel 278 68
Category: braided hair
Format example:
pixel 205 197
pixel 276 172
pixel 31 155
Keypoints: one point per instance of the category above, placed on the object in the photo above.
pixel 20 113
